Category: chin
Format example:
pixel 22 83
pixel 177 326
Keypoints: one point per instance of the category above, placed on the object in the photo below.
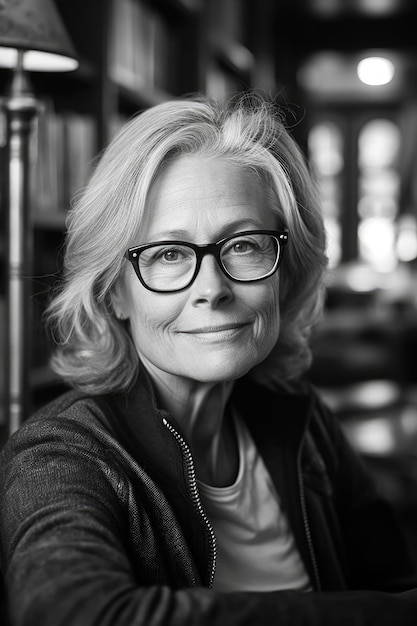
pixel 222 371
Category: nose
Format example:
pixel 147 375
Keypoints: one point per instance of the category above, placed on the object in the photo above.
pixel 211 287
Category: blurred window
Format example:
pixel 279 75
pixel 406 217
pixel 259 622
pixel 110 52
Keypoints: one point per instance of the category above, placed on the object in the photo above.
pixel 379 243
pixel 325 148
pixel 378 193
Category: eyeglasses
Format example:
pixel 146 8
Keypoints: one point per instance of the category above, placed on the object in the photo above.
pixel 244 257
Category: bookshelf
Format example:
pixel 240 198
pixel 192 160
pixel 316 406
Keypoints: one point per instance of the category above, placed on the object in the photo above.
pixel 133 53
pixel 239 50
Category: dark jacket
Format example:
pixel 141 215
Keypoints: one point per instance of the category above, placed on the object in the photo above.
pixel 102 522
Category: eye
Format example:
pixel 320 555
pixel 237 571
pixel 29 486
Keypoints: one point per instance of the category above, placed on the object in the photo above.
pixel 170 255
pixel 241 246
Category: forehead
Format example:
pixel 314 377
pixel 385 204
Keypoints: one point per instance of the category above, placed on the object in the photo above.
pixel 196 191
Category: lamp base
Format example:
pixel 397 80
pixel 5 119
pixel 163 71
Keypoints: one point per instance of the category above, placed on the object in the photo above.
pixel 21 109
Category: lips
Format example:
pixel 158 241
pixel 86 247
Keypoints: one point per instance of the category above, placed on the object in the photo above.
pixel 216 329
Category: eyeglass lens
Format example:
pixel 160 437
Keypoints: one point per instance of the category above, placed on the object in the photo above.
pixel 171 267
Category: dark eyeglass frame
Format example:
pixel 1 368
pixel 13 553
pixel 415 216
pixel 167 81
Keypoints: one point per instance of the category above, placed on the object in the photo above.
pixel 132 254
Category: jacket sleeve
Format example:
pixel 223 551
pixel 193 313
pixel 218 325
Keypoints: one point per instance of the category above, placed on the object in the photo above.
pixel 374 544
pixel 65 558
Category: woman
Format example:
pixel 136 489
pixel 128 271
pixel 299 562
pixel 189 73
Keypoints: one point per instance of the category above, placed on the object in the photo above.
pixel 190 477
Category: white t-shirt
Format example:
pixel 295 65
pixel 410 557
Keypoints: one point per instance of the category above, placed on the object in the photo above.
pixel 256 548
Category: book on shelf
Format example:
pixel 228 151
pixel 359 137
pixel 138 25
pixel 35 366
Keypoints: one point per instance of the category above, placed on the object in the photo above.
pixel 139 49
pixel 65 146
pixel 47 174
pixel 80 147
pixel 227 20
pixel 130 53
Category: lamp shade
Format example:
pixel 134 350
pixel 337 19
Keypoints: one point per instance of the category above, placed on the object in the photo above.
pixel 35 27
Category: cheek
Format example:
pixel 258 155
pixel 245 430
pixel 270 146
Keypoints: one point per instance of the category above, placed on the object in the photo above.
pixel 148 330
pixel 263 300
pixel 147 318
pixel 151 317
pixel 270 326
pixel 267 307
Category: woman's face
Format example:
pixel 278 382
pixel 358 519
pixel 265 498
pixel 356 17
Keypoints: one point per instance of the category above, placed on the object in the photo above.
pixel 216 329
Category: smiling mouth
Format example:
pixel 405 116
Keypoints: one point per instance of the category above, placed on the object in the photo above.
pixel 225 329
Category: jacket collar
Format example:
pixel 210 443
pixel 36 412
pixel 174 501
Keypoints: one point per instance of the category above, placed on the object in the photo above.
pixel 274 418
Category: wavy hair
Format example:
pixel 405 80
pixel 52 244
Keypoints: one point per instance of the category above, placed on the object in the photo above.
pixel 94 350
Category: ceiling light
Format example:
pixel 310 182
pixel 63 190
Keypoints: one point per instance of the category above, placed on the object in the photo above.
pixel 375 70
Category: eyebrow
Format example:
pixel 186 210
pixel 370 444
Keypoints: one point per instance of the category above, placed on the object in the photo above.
pixel 227 229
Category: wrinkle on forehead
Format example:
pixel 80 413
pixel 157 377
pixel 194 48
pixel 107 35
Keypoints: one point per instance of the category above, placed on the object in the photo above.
pixel 198 192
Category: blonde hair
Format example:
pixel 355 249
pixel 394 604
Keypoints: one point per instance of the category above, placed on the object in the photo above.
pixel 94 350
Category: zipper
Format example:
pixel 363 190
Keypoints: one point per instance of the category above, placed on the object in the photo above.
pixel 195 496
pixel 306 524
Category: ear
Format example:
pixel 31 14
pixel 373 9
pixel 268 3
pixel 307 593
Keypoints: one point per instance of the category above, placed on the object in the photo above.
pixel 118 300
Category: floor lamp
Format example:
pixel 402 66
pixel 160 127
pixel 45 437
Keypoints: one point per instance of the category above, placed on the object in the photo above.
pixel 32 37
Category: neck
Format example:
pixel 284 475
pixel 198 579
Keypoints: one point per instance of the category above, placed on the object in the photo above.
pixel 199 409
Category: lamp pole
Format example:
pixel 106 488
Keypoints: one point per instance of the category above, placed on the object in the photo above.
pixel 21 109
